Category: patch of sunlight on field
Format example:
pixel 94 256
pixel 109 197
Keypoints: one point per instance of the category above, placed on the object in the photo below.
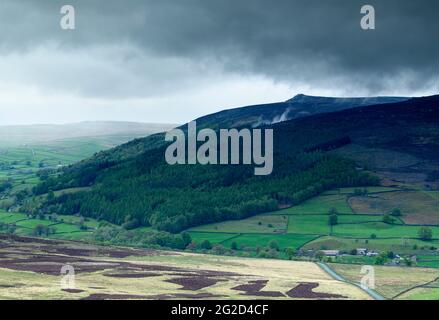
pixel 389 281
pixel 153 271
pixel 289 273
pixel 421 294
pixel 284 240
pixel 19 285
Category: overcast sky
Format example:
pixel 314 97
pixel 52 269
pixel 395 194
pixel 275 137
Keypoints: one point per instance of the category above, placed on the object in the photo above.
pixel 173 60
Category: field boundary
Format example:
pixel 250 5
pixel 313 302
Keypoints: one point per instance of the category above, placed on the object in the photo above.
pixel 415 287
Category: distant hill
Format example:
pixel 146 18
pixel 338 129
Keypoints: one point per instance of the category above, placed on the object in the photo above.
pixel 23 134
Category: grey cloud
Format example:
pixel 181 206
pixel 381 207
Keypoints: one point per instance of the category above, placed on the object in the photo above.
pixel 316 42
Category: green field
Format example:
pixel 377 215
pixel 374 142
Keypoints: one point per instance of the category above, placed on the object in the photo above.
pixel 214 238
pixel 403 246
pixel 320 205
pixel 256 224
pixel 67 227
pixel 316 225
pixel 19 162
pixel 262 240
pixel 380 229
pixel 306 226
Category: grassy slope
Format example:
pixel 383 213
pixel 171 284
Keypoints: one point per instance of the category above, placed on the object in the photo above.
pixel 308 228
pixel 389 281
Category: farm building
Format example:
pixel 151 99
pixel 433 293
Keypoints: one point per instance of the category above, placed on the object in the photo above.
pixel 331 253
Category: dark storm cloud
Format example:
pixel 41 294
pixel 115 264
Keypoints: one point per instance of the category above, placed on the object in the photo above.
pixel 316 42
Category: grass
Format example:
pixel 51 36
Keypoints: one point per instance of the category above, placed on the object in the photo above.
pixel 370 190
pixel 256 224
pixel 317 225
pixel 389 281
pixel 433 194
pixel 12 217
pixel 428 264
pixel 91 223
pixel 67 227
pixel 284 240
pixel 417 207
pixel 74 235
pixel 310 220
pixel 32 223
pixel 380 229
pixel 20 162
pixel 291 227
pixel 402 246
pixel 422 294
pixel 214 238
pixel 319 205
pixel 281 276
pixel 348 219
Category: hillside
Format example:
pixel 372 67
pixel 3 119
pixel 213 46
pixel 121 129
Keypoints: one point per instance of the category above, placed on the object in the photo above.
pixel 251 116
pixel 141 189
pixel 400 140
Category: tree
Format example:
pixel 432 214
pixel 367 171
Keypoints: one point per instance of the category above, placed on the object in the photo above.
pixel 408 262
pixel 319 255
pixel 381 259
pixel 219 250
pixel 388 219
pixel 234 246
pixel 273 244
pixel 290 252
pixel 333 220
pixel 273 254
pixel 391 255
pixel 41 230
pixel 425 234
pixel 187 239
pixel 206 245
pixel 396 212
pixel 50 196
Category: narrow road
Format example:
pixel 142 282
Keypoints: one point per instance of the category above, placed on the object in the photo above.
pixel 338 277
